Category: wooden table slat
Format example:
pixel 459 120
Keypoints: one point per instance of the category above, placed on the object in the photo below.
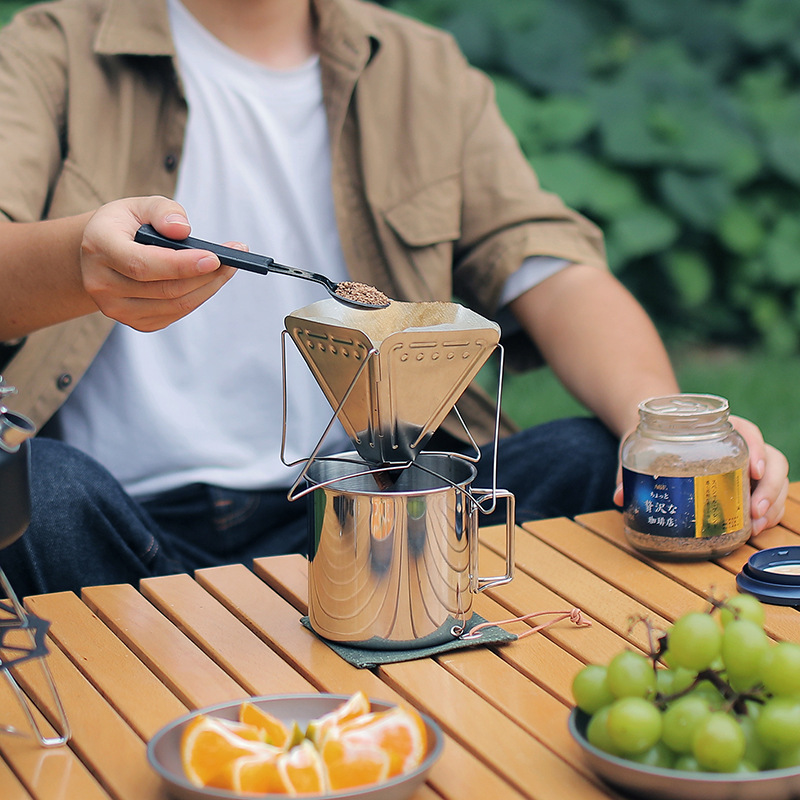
pixel 456 775
pixel 703 577
pixel 102 739
pixel 140 698
pixel 459 711
pixel 188 672
pixel 46 774
pixel 636 577
pixel 128 660
pixel 231 644
pixel 791 515
pixel 577 585
pixel 10 787
pixel 525 595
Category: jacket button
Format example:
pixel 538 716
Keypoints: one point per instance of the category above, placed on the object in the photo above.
pixel 170 162
pixel 64 380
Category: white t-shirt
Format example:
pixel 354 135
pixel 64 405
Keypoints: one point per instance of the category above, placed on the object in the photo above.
pixel 200 401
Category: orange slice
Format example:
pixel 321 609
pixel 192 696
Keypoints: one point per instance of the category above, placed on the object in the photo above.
pixel 399 732
pixel 302 769
pixel 254 774
pixel 350 764
pixel 208 744
pixel 275 730
pixel 355 706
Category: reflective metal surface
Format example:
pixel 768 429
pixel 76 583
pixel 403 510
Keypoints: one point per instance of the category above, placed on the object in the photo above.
pixel 401 368
pixel 396 567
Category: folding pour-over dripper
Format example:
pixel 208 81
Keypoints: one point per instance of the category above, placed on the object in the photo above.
pixel 394 373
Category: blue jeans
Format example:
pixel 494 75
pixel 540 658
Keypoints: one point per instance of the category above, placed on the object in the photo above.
pixel 86 530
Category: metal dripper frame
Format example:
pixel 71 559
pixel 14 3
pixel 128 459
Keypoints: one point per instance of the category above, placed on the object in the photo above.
pixel 22 635
pixel 391 375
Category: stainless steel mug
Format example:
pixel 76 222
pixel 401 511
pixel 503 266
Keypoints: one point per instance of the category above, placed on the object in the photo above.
pixel 393 563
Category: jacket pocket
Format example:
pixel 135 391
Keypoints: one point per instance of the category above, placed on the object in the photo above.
pixel 430 216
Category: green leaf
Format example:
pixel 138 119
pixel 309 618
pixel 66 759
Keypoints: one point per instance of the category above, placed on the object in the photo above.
pixel 765 24
pixel 691 276
pixel 550 55
pixel 740 229
pixel 642 231
pixel 782 252
pixel 783 150
pixel 662 109
pixel 519 110
pixel 769 317
pixel 587 184
pixel 699 199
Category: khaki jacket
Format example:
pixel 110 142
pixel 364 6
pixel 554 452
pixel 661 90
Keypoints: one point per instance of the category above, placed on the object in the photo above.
pixel 433 197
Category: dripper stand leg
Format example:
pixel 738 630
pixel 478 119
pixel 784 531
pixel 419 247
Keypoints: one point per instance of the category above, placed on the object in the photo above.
pixel 14 618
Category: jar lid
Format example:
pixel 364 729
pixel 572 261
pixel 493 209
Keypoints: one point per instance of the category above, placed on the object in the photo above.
pixel 685 405
pixel 773 576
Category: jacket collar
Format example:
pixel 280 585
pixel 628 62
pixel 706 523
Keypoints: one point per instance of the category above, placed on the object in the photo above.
pixel 141 27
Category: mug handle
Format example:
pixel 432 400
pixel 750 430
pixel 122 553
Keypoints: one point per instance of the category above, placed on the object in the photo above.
pixel 478 583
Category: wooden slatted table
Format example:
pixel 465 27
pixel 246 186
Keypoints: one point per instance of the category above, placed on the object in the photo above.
pixel 127 661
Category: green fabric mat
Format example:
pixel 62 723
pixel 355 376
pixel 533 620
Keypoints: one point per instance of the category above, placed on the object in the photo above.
pixel 366 658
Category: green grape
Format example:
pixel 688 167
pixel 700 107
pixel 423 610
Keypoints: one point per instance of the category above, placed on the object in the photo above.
pixel 590 690
pixel 630 674
pixel 694 641
pixel 665 681
pixel 634 724
pixel 659 755
pixel 687 763
pixel 743 647
pixel 719 743
pixel 780 669
pixel 710 693
pixel 788 758
pixel 742 606
pixel 597 732
pixel 682 679
pixel 778 724
pixel 680 721
pixel 754 751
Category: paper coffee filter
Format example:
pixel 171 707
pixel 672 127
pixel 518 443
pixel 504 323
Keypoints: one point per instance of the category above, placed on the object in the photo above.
pixel 401 368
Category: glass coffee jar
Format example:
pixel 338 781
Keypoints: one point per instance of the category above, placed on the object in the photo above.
pixel 685 479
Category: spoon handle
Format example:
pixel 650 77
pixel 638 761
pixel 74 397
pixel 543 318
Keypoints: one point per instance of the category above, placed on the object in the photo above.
pixel 229 256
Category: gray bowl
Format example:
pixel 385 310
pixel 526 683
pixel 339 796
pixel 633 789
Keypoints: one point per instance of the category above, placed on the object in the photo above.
pixel 163 751
pixel 657 783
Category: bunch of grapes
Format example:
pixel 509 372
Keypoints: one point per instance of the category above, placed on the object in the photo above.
pixel 715 695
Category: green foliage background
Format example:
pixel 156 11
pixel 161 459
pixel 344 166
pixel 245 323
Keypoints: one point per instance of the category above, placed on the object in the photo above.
pixel 676 127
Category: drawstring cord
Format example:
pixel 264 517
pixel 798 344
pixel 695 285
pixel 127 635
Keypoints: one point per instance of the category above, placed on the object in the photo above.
pixel 575 616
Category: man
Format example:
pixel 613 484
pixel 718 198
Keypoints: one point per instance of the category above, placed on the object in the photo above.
pixel 333 135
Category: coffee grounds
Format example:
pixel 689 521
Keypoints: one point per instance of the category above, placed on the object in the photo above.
pixel 361 293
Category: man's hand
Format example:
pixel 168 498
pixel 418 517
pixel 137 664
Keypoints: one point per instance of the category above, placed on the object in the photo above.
pixel 769 477
pixel 139 285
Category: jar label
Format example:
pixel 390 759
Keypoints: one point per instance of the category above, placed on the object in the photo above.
pixel 684 507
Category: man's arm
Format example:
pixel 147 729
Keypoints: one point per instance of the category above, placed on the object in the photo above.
pixel 606 351
pixel 57 270
pixel 598 341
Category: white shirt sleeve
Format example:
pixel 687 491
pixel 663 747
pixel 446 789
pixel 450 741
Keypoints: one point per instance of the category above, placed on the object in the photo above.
pixel 531 272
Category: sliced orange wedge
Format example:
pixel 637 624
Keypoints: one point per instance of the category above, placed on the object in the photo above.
pixel 209 743
pixel 399 732
pixel 355 706
pixel 275 730
pixel 350 763
pixel 302 769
